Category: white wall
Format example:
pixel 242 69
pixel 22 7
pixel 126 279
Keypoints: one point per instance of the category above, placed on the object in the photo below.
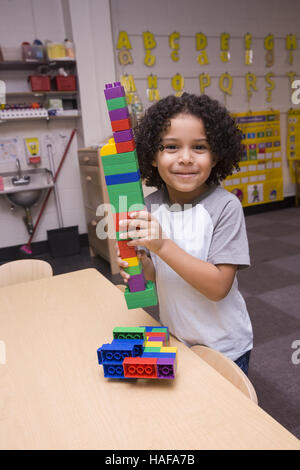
pixel 88 23
pixel 162 17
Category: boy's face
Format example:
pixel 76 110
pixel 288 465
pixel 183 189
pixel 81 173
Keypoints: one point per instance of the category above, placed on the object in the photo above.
pixel 185 161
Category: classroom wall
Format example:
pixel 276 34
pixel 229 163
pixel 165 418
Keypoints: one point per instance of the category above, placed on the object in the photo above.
pixel 163 17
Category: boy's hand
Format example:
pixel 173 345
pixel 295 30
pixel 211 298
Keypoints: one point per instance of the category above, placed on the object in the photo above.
pixel 145 230
pixel 141 254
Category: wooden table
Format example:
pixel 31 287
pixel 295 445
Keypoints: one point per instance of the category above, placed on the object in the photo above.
pixel 53 394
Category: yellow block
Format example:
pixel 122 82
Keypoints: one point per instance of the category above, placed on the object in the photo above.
pixel 109 149
pixel 134 261
pixel 154 344
pixel 169 349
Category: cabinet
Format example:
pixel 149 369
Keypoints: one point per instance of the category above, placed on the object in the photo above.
pixel 95 193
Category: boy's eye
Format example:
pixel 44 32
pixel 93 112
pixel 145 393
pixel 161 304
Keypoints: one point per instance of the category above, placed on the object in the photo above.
pixel 169 148
pixel 200 147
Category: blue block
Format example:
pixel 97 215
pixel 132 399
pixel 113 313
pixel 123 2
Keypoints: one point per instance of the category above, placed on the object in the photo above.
pixel 123 178
pixel 115 354
pixel 99 356
pixel 113 371
pixel 137 345
pixel 159 354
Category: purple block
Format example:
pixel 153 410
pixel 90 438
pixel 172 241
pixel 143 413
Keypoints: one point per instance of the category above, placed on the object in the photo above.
pixel 137 282
pixel 123 136
pixel 166 368
pixel 156 338
pixel 114 90
pixel 116 114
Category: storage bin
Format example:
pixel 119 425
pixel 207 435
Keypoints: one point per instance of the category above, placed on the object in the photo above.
pixel 12 53
pixel 33 53
pixel 65 83
pixel 40 82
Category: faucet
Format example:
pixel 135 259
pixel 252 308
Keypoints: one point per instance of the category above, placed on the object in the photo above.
pixel 19 180
pixel 19 169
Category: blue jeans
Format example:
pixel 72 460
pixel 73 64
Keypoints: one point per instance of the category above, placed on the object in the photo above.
pixel 243 362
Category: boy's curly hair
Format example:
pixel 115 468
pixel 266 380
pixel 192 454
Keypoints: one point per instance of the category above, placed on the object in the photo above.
pixel 223 136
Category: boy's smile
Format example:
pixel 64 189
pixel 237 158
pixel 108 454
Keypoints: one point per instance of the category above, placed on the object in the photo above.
pixel 184 160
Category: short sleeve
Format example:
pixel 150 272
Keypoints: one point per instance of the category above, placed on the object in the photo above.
pixel 229 243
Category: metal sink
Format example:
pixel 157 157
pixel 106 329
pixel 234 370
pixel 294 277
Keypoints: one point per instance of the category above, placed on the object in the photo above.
pixel 25 189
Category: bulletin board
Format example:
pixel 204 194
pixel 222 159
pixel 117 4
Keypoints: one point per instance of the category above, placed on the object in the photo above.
pixel 260 179
pixel 293 140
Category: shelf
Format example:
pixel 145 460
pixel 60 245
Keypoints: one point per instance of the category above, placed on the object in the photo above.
pixel 19 65
pixel 39 93
pixel 39 118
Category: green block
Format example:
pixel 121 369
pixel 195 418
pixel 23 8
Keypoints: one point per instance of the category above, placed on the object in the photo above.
pixel 129 332
pixel 132 270
pixel 116 103
pixel 146 349
pixel 117 158
pixel 121 168
pixel 132 191
pixel 141 299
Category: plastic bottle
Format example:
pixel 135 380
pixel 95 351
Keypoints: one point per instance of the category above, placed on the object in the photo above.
pixel 70 52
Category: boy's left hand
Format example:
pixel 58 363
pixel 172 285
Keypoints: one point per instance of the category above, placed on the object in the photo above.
pixel 145 230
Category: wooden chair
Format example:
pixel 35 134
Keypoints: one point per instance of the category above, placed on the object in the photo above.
pixel 228 369
pixel 24 270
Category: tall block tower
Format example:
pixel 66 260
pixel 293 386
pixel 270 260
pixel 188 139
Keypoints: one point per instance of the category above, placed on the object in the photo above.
pixel 124 186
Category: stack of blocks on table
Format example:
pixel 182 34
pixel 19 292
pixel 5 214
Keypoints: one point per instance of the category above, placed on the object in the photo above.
pixel 124 186
pixel 141 352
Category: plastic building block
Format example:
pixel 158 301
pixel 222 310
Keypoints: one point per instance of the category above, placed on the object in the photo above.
pixel 116 103
pixel 132 261
pixel 124 186
pixel 128 146
pixel 121 125
pixel 122 178
pixel 166 368
pixel 151 350
pixel 113 371
pixel 153 339
pixel 122 216
pixel 161 335
pixel 123 136
pixel 141 299
pixel 120 167
pixel 114 90
pixel 153 344
pixel 125 250
pixel 129 332
pixel 134 271
pixel 137 282
pixel 108 149
pixel 128 356
pixel 140 367
pixel 117 114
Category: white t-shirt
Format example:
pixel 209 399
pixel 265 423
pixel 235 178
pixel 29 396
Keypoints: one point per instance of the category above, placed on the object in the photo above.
pixel 212 229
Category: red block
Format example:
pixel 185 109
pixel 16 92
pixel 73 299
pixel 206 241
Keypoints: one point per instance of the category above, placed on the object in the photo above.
pixel 121 125
pixel 125 250
pixel 122 216
pixel 128 146
pixel 140 367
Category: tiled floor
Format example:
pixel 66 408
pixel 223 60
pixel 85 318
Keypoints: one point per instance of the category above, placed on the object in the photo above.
pixel 272 292
pixel 271 288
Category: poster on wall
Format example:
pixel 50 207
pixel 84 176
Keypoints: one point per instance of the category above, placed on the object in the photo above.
pixel 260 178
pixel 9 150
pixel 293 140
